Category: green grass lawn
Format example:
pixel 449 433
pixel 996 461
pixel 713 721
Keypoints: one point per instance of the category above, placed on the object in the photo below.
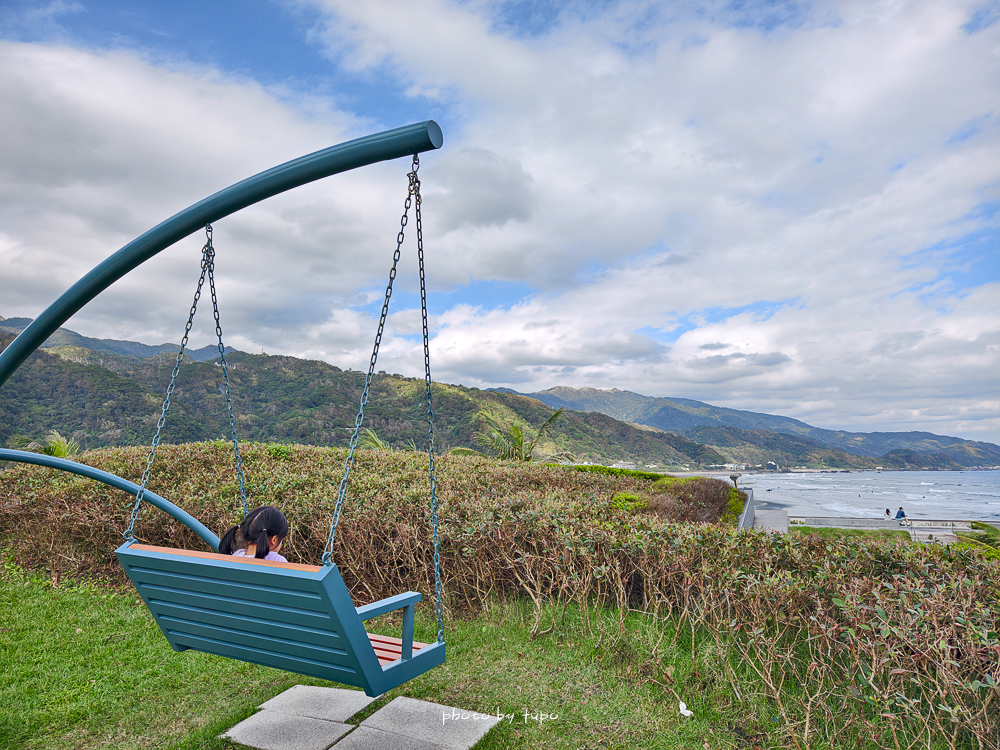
pixel 983 537
pixel 831 534
pixel 984 533
pixel 86 667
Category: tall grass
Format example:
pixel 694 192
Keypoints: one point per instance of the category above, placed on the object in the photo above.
pixel 896 645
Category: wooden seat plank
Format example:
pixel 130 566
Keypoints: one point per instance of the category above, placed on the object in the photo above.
pixel 389 649
pixel 389 640
pixel 217 556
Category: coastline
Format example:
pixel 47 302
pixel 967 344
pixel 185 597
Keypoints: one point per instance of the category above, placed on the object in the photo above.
pixel 968 495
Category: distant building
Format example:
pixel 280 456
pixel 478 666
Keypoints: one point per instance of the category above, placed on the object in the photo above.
pixel 772 466
pixel 625 465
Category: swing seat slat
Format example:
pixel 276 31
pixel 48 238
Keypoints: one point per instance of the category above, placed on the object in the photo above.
pixel 389 649
pixel 289 616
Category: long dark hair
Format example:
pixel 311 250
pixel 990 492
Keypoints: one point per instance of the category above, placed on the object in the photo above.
pixel 257 528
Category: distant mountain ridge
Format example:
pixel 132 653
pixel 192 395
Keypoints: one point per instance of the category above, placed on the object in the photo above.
pixel 107 392
pixel 103 399
pixel 66 337
pixel 684 416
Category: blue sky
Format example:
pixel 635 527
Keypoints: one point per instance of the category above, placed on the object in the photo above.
pixel 787 207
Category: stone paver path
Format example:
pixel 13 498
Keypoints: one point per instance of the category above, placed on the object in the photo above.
pixel 771 520
pixel 929 535
pixel 441 725
pixel 315 718
pixel 273 730
pixel 329 704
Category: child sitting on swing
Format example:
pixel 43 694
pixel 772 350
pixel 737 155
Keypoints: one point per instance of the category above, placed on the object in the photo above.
pixel 263 531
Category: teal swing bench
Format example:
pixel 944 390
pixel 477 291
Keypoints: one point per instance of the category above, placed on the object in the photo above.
pixel 294 617
pixel 298 618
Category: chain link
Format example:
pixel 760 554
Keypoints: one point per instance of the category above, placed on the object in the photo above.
pixel 207 269
pixel 413 199
pixel 349 463
pixel 206 260
pixel 225 375
pixel 430 408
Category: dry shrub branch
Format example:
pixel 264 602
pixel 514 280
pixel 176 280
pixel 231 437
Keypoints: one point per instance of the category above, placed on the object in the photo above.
pixel 893 643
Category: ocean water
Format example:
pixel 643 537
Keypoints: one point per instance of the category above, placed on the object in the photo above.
pixel 941 495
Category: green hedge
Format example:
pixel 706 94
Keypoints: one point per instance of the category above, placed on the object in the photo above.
pixel 596 469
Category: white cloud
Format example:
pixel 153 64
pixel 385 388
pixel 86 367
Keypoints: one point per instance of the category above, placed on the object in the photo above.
pixel 480 188
pixel 706 208
pixel 715 167
pixel 102 146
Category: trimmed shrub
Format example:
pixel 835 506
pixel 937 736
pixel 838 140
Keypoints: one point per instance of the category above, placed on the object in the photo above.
pixel 609 471
pixel 692 499
pixel 904 635
pixel 629 502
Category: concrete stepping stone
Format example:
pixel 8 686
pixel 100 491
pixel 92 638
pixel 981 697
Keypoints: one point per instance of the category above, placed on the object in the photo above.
pixel 330 704
pixel 273 730
pixel 366 738
pixel 307 717
pixel 430 723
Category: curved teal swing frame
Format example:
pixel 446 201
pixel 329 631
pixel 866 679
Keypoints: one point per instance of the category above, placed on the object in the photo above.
pixel 299 618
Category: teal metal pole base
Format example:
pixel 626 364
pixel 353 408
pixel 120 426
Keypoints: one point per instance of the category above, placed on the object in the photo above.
pixel 40 459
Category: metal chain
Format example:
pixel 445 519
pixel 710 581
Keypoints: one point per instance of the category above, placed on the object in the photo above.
pixel 430 408
pixel 225 373
pixel 207 257
pixel 207 269
pixel 342 491
pixel 412 198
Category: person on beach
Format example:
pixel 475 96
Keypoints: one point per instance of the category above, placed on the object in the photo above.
pixel 901 517
pixel 888 514
pixel 263 532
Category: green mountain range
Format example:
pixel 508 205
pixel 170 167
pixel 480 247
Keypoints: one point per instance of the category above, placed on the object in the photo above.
pixel 105 392
pixel 688 417
pixel 103 399
pixel 65 337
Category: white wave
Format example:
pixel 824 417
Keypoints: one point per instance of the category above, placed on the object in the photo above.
pixel 929 496
pixel 851 511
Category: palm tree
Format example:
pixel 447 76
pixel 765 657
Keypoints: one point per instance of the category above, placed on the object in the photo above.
pixel 53 445
pixel 510 442
pixel 371 441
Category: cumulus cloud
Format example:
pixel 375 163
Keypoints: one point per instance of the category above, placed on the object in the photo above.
pixel 477 187
pixel 771 211
pixel 713 164
pixel 101 146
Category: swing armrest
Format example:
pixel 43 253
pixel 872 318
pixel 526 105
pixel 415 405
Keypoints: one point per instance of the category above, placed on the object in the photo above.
pixel 368 611
pixel 404 602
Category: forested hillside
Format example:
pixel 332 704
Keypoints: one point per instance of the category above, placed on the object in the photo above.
pixel 103 399
pixel 94 391
pixel 760 446
pixel 687 416
pixel 66 337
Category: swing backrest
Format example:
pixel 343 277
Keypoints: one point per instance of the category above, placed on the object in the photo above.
pixel 298 618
